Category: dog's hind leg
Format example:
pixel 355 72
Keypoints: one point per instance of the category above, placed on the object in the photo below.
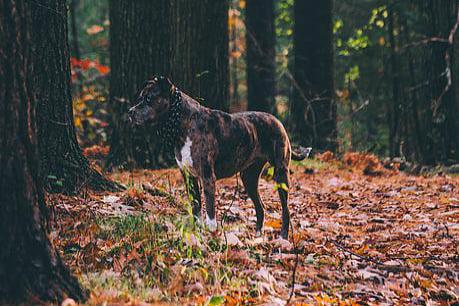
pixel 250 177
pixel 282 184
pixel 281 161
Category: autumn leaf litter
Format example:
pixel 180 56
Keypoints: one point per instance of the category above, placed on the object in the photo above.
pixel 364 234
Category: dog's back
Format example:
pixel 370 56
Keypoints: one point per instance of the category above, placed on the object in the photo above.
pixel 241 138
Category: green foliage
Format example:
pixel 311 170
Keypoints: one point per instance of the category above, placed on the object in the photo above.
pixel 216 300
pixel 312 163
pixel 360 63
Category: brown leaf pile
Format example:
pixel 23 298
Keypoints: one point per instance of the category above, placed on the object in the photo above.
pixel 386 238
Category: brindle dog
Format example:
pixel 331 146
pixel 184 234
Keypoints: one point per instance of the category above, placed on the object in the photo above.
pixel 211 144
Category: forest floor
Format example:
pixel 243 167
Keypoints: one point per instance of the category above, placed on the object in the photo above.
pixel 363 235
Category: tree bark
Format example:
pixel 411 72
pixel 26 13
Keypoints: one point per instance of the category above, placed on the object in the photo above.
pixel 441 108
pixel 139 48
pixel 29 265
pixel 313 109
pixel 261 55
pixel 184 39
pixel 200 50
pixel 62 164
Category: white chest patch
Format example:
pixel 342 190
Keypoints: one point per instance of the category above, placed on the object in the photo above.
pixel 185 161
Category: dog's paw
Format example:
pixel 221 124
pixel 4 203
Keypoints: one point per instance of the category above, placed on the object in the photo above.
pixel 211 224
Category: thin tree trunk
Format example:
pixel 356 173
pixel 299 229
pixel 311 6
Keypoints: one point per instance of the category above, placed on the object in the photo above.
pixel 139 48
pixel 234 62
pixel 30 268
pixel 313 109
pixel 261 66
pixel 74 29
pixel 200 53
pixel 394 109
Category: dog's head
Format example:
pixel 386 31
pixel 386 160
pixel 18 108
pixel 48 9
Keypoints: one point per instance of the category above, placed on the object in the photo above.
pixel 153 101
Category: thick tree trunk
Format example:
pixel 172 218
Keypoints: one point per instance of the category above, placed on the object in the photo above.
pixel 139 48
pixel 261 55
pixel 184 39
pixel 29 265
pixel 63 167
pixel 442 140
pixel 313 111
pixel 200 50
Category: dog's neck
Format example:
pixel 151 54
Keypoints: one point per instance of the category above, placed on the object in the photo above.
pixel 171 128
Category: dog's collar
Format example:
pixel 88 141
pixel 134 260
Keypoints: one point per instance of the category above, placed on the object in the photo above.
pixel 170 128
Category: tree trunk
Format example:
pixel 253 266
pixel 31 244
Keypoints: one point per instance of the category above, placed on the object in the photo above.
pixel 395 107
pixel 63 167
pixel 200 52
pixel 261 53
pixel 313 111
pixel 29 265
pixel 443 139
pixel 139 48
pixel 73 26
pixel 234 58
pixel 438 107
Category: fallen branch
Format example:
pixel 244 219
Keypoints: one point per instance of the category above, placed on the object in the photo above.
pixel 222 220
pixel 393 268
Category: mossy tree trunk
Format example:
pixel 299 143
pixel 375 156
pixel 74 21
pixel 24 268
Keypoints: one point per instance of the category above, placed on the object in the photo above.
pixel 29 265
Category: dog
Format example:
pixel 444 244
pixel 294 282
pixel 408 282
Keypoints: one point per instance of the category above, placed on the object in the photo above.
pixel 211 144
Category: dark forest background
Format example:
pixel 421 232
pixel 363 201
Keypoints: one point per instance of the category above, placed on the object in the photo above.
pixel 368 75
pixel 353 75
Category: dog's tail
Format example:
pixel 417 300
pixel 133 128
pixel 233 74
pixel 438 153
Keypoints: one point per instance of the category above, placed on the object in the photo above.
pixel 301 153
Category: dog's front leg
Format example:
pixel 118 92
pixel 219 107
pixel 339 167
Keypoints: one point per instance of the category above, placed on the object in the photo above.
pixel 193 189
pixel 208 182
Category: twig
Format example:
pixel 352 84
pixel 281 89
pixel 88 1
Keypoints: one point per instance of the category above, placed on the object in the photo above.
pixel 392 268
pixel 295 266
pixel 343 248
pixel 51 10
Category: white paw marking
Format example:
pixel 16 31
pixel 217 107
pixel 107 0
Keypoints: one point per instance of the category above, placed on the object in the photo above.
pixel 211 223
pixel 185 161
